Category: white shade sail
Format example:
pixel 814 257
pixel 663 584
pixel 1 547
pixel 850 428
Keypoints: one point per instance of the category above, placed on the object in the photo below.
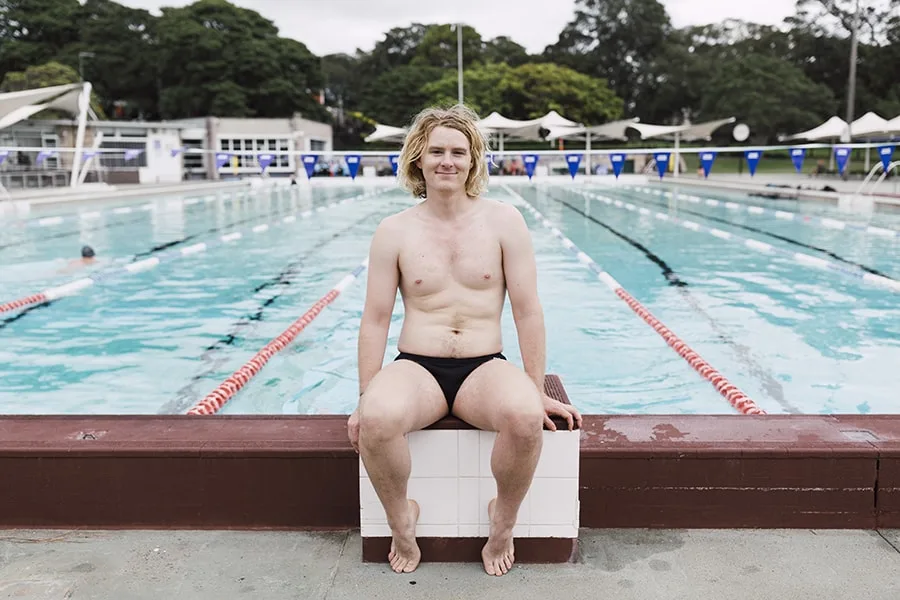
pixel 834 127
pixel 868 125
pixel 529 129
pixel 18 106
pixel 614 130
pixel 893 126
pixel 686 132
pixel 386 133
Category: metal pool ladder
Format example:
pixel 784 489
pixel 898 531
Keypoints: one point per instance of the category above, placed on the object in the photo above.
pixel 871 174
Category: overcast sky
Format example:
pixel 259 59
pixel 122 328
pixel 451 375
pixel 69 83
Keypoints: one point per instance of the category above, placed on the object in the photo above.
pixel 329 26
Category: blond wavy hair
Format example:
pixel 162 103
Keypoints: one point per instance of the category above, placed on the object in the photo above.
pixel 459 117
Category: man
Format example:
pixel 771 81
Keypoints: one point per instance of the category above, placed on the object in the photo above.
pixel 88 257
pixel 454 257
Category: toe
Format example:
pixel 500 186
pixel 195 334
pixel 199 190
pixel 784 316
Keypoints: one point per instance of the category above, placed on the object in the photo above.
pixel 489 567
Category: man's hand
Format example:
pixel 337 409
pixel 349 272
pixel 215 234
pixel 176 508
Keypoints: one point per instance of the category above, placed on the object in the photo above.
pixel 567 411
pixel 353 430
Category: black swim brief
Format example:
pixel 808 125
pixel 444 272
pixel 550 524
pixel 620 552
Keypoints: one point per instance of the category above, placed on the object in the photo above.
pixel 449 372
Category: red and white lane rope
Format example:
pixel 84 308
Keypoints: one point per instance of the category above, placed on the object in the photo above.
pixel 38 298
pixel 73 287
pixel 738 399
pixel 824 222
pixel 217 398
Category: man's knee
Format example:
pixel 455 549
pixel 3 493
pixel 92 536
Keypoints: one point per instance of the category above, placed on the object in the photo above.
pixel 379 419
pixel 523 414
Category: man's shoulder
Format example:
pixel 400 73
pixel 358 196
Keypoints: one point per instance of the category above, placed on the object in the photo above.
pixel 503 214
pixel 498 207
pixel 396 221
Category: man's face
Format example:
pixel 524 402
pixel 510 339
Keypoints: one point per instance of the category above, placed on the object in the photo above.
pixel 446 160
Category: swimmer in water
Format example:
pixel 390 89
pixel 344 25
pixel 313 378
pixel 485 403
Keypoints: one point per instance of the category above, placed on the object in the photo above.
pixel 88 257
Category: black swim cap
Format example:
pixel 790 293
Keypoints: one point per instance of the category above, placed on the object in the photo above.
pixel 87 252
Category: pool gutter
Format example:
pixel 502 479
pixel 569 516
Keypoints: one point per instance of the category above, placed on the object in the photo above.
pixel 300 473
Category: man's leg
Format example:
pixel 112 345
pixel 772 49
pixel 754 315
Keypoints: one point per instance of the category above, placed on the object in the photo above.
pixel 498 396
pixel 402 397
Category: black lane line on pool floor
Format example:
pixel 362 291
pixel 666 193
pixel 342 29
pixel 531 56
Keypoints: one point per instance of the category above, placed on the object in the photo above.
pixel 186 395
pixel 667 271
pixel 167 245
pixel 769 383
pixel 770 234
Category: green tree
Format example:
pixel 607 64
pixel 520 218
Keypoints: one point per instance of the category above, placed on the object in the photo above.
pixel 837 17
pixel 394 97
pixel 340 73
pixel 771 95
pixel 820 35
pixel 485 89
pixel 40 76
pixel 124 64
pixel 438 47
pixel 615 40
pixel 219 59
pixel 504 50
pixel 531 90
pixel 46 75
pixel 33 32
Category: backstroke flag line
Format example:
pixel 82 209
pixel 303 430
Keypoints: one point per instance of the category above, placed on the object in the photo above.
pixel 530 161
pixel 752 157
pixel 662 163
pixel 706 161
pixel 797 156
pixel 574 161
pixel 618 162
pixel 885 152
pixel 841 156
pixel 309 163
pixel 352 164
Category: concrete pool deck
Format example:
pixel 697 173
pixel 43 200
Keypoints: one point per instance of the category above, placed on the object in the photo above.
pixel 624 564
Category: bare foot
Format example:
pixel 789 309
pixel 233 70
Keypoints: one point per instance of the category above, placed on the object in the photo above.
pixel 405 554
pixel 498 554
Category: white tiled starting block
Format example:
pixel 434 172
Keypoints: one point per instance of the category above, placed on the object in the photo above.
pixel 452 482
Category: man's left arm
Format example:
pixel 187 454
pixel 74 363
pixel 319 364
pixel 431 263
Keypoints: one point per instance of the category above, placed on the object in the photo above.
pixel 520 271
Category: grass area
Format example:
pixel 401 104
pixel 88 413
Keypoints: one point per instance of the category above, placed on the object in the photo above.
pixel 725 164
pixel 780 162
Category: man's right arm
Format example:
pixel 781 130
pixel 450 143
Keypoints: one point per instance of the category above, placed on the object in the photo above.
pixel 381 293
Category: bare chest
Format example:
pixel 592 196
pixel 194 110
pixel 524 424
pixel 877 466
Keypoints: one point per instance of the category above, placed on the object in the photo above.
pixel 435 260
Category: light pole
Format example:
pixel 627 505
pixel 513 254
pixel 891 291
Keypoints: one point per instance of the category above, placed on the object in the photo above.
pixel 81 57
pixel 851 87
pixel 459 63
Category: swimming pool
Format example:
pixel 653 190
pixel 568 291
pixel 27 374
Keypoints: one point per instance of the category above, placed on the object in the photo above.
pixel 793 337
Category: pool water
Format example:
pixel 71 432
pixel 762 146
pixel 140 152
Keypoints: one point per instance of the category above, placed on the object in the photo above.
pixel 796 339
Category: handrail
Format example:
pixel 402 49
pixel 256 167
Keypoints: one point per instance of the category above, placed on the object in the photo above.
pixel 871 174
